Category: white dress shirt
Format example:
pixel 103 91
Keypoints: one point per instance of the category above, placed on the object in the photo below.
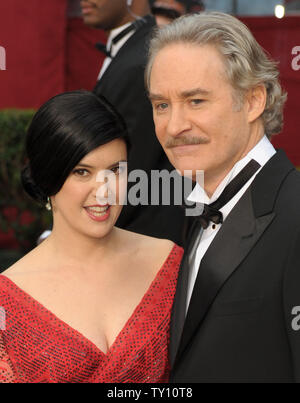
pixel 114 48
pixel 261 153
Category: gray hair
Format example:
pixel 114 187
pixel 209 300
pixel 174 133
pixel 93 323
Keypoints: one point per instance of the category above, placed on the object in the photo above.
pixel 247 64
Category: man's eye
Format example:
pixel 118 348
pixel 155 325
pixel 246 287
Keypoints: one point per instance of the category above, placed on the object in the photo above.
pixel 197 101
pixel 161 107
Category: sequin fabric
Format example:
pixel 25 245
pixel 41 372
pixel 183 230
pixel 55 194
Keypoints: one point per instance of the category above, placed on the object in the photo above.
pixel 37 347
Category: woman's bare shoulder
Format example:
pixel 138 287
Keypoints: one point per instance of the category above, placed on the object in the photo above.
pixel 25 265
pixel 147 251
pixel 146 242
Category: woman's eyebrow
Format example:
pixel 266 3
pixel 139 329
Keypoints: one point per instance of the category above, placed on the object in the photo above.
pixel 82 165
pixel 116 163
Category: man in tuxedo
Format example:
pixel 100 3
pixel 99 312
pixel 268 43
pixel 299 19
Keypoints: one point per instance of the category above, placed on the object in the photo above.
pixel 121 80
pixel 236 314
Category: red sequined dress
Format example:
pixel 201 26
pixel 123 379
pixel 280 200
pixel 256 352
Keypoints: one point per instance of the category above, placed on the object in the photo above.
pixel 37 347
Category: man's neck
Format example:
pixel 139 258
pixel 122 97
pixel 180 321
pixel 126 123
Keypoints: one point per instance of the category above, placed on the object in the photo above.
pixel 121 24
pixel 139 9
pixel 212 180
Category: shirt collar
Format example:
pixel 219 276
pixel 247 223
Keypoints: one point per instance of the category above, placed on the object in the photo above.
pixel 114 33
pixel 261 153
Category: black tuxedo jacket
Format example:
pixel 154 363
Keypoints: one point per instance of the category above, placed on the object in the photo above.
pixel 243 320
pixel 123 85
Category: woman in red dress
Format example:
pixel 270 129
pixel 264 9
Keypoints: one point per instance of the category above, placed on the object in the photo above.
pixel 92 302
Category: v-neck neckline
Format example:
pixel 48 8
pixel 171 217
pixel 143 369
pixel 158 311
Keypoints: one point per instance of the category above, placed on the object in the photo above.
pixel 57 322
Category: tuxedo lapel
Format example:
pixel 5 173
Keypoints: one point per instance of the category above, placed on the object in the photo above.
pixel 122 55
pixel 239 233
pixel 236 238
pixel 179 305
pixel 115 63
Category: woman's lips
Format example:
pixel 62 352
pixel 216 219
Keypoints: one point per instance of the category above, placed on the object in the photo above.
pixel 98 213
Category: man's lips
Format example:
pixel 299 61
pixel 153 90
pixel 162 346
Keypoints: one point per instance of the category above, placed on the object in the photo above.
pixel 183 145
pixel 184 149
pixel 87 7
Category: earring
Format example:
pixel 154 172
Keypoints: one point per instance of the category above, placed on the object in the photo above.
pixel 48 205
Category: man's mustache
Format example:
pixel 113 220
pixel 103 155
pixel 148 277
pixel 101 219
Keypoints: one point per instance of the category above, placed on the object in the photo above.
pixel 185 141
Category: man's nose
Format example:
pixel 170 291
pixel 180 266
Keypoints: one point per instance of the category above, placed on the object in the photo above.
pixel 178 122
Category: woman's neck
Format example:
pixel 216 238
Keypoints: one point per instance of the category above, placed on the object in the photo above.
pixel 78 251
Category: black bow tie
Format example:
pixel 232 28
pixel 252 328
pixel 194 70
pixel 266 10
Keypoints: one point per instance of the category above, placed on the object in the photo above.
pixel 102 47
pixel 211 211
pixel 210 214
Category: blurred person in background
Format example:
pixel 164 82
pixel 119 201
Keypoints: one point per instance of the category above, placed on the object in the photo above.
pixel 164 15
pixel 166 11
pixel 129 25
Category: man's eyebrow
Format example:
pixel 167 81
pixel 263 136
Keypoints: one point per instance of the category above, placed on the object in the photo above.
pixel 193 92
pixel 184 94
pixel 155 97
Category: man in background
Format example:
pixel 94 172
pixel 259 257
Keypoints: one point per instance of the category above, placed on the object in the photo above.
pixel 166 11
pixel 129 25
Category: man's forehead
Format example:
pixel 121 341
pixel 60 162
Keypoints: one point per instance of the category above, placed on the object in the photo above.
pixel 196 50
pixel 180 57
pixel 187 69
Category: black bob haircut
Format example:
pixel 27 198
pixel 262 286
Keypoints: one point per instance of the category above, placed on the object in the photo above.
pixel 62 132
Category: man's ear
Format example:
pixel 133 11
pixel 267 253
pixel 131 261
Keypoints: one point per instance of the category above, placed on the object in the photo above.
pixel 256 101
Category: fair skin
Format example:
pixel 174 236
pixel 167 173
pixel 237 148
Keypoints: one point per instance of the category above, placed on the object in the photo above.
pixel 196 117
pixel 108 14
pixel 89 273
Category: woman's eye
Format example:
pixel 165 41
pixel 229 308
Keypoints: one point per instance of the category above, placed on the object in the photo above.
pixel 115 170
pixel 118 170
pixel 81 172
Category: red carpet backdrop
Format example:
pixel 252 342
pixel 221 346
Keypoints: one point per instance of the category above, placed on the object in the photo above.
pixel 281 38
pixel 48 53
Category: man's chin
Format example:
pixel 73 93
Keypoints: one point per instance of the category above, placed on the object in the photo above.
pixel 91 22
pixel 185 167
